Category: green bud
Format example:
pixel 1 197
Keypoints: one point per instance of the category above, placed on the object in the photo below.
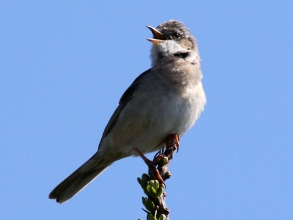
pixel 162 217
pixel 151 217
pixel 143 200
pixel 155 184
pixel 149 190
pixel 160 191
pixel 146 192
pixel 153 190
pixel 163 161
pixel 145 178
pixel 140 182
pixel 149 205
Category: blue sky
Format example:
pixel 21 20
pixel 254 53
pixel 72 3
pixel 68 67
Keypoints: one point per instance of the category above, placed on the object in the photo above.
pixel 64 66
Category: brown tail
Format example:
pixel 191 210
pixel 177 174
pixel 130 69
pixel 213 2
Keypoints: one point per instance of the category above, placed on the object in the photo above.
pixel 78 179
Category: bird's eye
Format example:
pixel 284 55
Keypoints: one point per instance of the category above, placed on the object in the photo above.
pixel 175 35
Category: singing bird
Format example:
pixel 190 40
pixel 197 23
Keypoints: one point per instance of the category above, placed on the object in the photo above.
pixel 166 99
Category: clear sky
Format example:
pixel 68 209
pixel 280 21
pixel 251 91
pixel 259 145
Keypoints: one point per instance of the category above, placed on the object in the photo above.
pixel 65 64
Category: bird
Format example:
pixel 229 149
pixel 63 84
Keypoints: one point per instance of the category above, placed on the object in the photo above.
pixel 166 99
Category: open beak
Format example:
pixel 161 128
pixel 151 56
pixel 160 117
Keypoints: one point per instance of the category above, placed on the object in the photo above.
pixel 158 36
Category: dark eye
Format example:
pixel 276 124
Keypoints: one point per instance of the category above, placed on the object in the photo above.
pixel 175 35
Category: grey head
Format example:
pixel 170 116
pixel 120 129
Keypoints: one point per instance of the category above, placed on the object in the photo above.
pixel 171 41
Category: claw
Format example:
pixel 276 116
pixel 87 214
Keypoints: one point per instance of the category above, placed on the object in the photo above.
pixel 173 140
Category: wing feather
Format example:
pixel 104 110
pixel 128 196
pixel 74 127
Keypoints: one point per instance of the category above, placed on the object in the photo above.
pixel 124 100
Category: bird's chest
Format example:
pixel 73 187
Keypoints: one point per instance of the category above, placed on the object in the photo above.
pixel 172 110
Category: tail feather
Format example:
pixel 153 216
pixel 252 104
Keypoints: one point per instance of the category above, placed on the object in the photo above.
pixel 77 181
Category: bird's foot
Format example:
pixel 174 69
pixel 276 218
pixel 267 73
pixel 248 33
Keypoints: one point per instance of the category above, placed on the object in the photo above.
pixel 173 141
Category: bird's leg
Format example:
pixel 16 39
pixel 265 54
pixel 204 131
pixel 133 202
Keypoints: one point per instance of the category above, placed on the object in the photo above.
pixel 172 143
pixel 151 165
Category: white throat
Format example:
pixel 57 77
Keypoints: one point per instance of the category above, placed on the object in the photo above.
pixel 168 48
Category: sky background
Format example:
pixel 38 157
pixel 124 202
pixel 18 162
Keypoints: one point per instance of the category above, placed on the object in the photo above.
pixel 64 66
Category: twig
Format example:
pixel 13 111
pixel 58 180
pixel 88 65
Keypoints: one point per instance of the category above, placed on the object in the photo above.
pixel 159 166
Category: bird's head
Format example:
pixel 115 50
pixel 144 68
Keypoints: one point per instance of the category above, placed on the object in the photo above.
pixel 172 41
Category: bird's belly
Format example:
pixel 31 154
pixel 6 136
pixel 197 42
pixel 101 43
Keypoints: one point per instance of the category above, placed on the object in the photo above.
pixel 145 124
